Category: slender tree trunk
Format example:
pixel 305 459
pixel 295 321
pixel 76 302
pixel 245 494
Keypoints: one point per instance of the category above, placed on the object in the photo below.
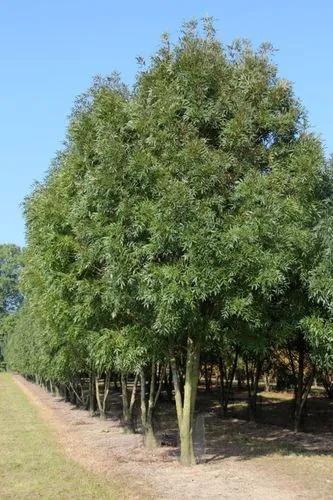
pixel 185 409
pixel 107 383
pixel 72 395
pixel 92 394
pixel 78 398
pixel 143 398
pixel 255 390
pixel 133 395
pixel 299 385
pixel 206 373
pixel 126 413
pixel 294 373
pixel 302 402
pixel 168 383
pixel 226 389
pixel 268 381
pixel 98 398
pixel 67 394
pixel 252 379
pixel 150 440
pixel 147 413
pixel 327 381
pixel 101 402
pixel 222 385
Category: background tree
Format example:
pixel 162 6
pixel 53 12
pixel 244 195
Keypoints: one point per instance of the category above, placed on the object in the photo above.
pixel 10 295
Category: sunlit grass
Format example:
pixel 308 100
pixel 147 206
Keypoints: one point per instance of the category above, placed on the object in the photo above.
pixel 31 463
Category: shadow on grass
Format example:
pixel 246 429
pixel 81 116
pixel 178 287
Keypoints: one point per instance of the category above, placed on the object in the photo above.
pixel 246 440
pixel 235 437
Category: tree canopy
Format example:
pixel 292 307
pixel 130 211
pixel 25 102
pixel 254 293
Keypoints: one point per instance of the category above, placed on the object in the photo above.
pixel 184 217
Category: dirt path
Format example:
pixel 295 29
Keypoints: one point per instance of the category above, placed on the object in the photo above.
pixel 33 464
pixel 104 448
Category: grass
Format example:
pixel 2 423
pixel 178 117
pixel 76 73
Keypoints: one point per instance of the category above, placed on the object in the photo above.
pixel 32 465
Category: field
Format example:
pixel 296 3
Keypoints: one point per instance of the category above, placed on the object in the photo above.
pixel 51 449
pixel 32 465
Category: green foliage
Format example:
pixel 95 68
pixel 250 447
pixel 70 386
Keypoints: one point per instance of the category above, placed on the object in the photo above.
pixel 10 296
pixel 10 264
pixel 194 205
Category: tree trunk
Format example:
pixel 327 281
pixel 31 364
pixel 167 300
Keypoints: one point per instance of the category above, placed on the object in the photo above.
pixel 133 395
pixel 67 395
pixel 168 383
pixel 226 388
pixel 208 376
pixel 185 409
pixel 143 399
pixel 299 385
pixel 147 413
pixel 302 401
pixel 327 381
pixel 124 395
pixel 101 402
pixel 252 380
pixel 268 381
pixel 72 395
pixel 92 394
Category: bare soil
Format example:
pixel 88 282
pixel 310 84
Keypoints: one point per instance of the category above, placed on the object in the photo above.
pixel 238 459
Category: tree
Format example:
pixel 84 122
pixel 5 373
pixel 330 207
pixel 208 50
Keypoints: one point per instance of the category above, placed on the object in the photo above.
pixel 10 266
pixel 10 296
pixel 179 219
pixel 230 177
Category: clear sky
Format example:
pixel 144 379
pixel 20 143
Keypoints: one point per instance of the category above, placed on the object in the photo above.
pixel 50 50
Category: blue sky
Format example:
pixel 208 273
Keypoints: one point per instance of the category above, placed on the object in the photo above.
pixel 50 50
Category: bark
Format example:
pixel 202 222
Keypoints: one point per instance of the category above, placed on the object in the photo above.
pixel 208 377
pixel 143 399
pixel 301 402
pixel 302 385
pixel 72 395
pixel 226 388
pixel 124 395
pixel 168 383
pixel 79 398
pixel 150 441
pixel 128 405
pixel 178 395
pixel 98 399
pixel 159 388
pixel 327 381
pixel 133 395
pixel 92 394
pixel 147 408
pixel 185 407
pixel 67 394
pixel 299 386
pixel 222 384
pixel 268 381
pixel 101 401
pixel 252 379
pixel 293 370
